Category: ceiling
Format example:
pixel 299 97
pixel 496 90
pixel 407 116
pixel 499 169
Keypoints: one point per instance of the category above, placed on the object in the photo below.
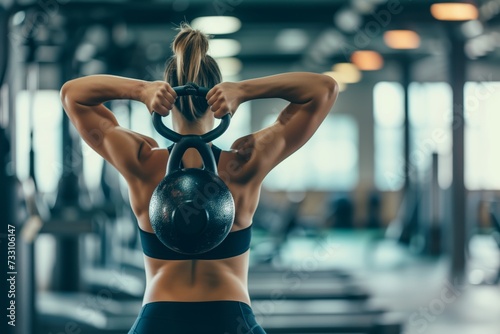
pixel 133 37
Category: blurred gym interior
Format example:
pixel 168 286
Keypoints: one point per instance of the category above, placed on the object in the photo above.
pixel 386 221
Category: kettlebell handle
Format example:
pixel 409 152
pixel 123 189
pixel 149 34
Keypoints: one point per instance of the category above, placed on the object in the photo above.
pixel 190 89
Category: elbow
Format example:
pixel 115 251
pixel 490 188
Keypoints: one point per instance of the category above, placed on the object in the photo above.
pixel 327 92
pixel 331 87
pixel 66 93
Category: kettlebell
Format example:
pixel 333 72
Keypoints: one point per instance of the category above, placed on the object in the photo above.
pixel 191 210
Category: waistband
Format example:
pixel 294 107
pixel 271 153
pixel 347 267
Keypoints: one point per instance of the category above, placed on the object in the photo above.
pixel 208 309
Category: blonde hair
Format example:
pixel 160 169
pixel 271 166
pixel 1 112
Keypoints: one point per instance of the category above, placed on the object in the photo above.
pixel 190 63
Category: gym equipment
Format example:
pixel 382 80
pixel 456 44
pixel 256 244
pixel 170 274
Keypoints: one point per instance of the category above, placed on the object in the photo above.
pixel 266 282
pixel 305 289
pixel 278 222
pixel 271 272
pixel 430 221
pixel 341 213
pixel 419 221
pixel 313 306
pixel 191 210
pixel 86 313
pixel 333 323
pixel 374 220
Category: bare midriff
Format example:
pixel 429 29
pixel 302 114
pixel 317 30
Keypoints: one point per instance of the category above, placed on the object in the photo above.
pixel 197 280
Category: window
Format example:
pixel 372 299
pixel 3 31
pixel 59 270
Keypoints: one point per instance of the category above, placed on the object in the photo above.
pixel 482 157
pixel 388 119
pixel 329 160
pixel 45 117
pixel 430 129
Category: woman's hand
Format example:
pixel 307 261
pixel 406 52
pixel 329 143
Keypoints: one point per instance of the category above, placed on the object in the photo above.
pixel 225 98
pixel 159 97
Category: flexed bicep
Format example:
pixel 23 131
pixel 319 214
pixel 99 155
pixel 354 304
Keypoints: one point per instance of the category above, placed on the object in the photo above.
pixel 311 98
pixel 83 100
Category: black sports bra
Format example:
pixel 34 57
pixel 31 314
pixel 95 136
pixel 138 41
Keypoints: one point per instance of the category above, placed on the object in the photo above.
pixel 236 243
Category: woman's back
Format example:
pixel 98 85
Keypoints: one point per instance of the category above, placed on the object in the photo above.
pixel 196 280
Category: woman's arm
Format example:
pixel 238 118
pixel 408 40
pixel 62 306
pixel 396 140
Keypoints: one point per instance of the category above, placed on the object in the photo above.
pixel 311 98
pixel 83 100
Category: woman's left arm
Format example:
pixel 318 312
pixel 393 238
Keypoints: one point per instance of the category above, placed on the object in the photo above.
pixel 83 100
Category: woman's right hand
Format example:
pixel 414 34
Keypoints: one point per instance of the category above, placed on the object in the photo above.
pixel 159 97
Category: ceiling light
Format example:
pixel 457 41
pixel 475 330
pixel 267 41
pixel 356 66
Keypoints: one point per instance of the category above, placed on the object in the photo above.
pixel 220 48
pixel 402 39
pixel 347 72
pixel 217 24
pixel 367 60
pixel 454 11
pixel 363 6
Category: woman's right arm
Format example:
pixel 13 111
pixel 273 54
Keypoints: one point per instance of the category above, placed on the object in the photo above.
pixel 311 98
pixel 83 100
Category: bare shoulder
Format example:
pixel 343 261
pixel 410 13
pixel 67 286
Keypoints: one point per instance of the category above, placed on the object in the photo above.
pixel 237 165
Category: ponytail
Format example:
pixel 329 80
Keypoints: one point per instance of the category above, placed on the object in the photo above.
pixel 190 63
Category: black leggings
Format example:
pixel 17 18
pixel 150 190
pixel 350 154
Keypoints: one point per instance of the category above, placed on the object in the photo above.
pixel 217 317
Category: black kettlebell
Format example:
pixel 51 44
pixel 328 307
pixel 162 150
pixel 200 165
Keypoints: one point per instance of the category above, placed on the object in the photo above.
pixel 191 210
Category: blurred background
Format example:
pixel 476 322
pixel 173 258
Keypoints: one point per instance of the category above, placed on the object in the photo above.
pixel 386 221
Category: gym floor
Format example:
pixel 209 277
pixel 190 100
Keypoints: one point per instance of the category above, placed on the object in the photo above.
pixel 411 286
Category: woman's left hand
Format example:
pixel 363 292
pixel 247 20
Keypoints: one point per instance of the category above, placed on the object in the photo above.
pixel 224 98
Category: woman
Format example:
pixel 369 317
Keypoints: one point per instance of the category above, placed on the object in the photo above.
pixel 205 294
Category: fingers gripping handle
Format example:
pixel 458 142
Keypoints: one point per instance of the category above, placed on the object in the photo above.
pixel 190 89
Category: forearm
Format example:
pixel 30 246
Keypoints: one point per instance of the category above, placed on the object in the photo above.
pixel 298 87
pixel 96 89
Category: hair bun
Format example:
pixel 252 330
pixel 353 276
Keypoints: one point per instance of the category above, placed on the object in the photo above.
pixel 190 63
pixel 190 40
